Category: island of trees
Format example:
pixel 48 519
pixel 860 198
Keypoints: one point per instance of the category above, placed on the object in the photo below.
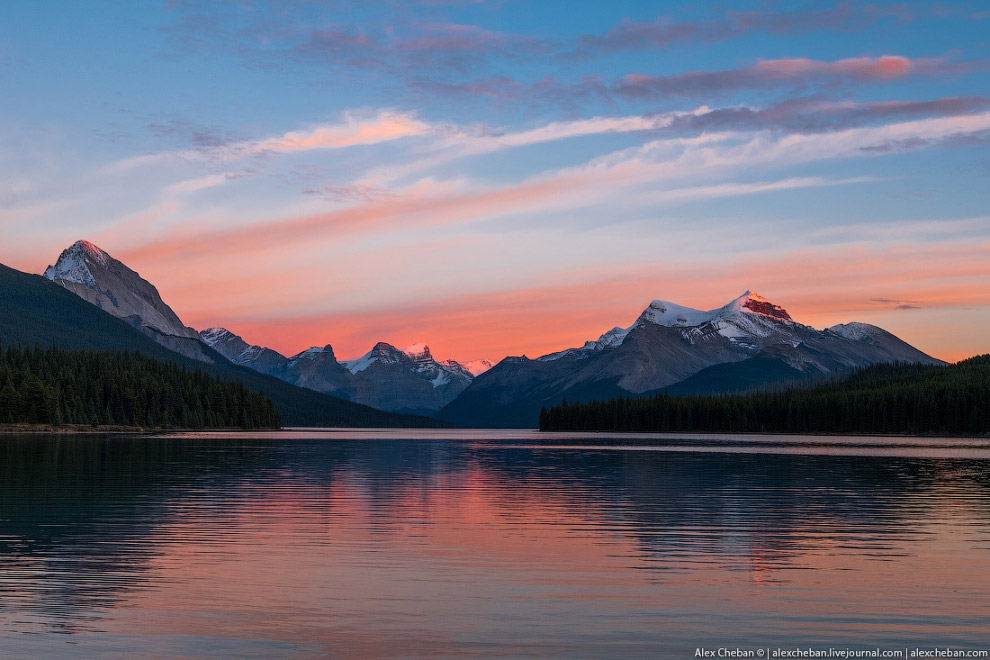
pixel 883 398
pixel 59 387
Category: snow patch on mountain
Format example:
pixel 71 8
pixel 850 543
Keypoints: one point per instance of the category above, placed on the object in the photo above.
pixel 442 378
pixel 477 367
pixel 856 331
pixel 214 336
pixel 362 363
pixel 418 351
pixel 661 312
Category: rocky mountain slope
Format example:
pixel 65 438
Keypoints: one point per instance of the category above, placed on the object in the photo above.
pixel 98 278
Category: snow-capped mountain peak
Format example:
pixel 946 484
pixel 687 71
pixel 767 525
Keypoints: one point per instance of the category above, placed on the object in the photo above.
pixel 747 321
pixel 98 278
pixel 477 367
pixel 661 312
pixel 73 264
pixel 754 303
pixel 419 352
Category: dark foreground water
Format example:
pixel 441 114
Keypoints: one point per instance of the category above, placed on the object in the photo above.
pixel 309 544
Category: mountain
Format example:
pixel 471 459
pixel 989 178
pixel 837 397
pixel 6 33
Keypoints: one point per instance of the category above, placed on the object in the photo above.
pixel 408 380
pixel 318 369
pixel 745 344
pixel 238 351
pixel 98 278
pixel 35 311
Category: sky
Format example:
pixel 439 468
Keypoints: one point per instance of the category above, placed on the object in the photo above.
pixel 507 178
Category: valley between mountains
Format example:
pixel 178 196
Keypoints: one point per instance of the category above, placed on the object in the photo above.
pixel 748 344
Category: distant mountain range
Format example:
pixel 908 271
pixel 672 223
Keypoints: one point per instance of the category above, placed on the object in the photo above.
pixel 748 343
pixel 407 380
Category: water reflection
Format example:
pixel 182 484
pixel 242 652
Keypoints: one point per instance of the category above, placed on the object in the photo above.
pixel 313 544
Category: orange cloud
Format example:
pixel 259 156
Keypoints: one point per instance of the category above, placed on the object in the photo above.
pixel 386 126
pixel 887 66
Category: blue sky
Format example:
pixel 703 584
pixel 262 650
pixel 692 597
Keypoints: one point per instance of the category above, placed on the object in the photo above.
pixel 506 177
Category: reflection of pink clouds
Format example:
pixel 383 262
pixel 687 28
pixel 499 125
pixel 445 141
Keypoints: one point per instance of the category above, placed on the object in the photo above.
pixel 416 564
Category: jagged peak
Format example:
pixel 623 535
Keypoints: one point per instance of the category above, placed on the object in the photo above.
pixel 378 351
pixel 314 351
pixel 384 348
pixel 73 264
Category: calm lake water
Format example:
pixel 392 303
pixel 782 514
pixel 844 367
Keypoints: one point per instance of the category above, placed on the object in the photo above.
pixel 352 544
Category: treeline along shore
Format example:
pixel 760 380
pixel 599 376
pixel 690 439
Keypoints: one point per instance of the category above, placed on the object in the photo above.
pixel 72 389
pixel 910 399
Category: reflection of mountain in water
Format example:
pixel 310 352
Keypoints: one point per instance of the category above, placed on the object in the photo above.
pixel 77 512
pixel 83 518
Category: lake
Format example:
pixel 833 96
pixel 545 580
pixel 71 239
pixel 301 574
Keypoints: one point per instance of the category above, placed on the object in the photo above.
pixel 481 544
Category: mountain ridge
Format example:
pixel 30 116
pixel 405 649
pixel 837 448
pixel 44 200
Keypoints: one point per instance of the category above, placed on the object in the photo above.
pixel 406 380
pixel 669 344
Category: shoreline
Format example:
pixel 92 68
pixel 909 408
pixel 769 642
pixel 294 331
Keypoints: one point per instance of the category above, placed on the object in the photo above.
pixel 87 429
pixel 823 434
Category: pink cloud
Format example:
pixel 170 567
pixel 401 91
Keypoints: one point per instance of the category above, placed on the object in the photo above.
pixel 863 68
pixel 793 74
pixel 664 33
pixel 787 71
pixel 386 126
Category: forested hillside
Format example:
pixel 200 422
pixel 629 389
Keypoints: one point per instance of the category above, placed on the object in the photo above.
pixel 883 398
pixel 54 386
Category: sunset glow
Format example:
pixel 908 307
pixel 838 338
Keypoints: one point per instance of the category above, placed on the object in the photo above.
pixel 499 179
